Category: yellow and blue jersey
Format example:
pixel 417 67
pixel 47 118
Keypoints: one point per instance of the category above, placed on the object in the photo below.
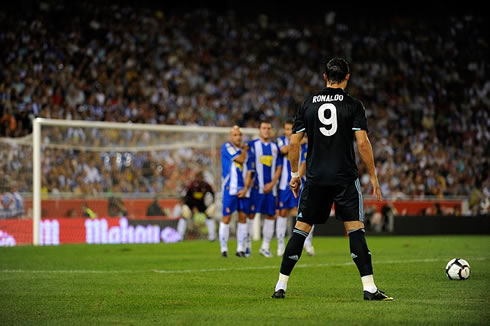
pixel 232 171
pixel 264 158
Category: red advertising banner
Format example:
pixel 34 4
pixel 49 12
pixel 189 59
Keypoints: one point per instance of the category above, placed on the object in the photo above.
pixel 56 228
pixel 416 207
pixel 138 207
pixel 14 232
pixel 92 231
pixel 73 207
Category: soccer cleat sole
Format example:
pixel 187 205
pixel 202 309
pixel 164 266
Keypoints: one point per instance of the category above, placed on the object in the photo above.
pixel 279 294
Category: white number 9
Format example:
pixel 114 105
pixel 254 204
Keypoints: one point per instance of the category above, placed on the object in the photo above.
pixel 330 121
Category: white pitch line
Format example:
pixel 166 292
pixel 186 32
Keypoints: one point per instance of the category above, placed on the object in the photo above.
pixel 225 269
pixel 427 260
pixel 70 271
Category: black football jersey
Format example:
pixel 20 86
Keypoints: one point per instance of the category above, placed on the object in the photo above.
pixel 330 119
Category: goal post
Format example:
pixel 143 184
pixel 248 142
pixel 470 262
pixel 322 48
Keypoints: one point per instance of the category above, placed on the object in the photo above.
pixel 122 142
pixel 36 180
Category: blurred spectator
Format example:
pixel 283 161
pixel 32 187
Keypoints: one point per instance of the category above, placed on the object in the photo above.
pixel 388 212
pixel 155 209
pixel 115 204
pixel 457 210
pixel 376 222
pixel 438 210
pixel 475 201
pixel 368 216
pixel 116 207
pixel 71 212
pixel 87 212
pixel 11 202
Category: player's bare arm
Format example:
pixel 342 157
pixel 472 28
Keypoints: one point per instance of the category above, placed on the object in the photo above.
pixel 268 187
pixel 243 155
pixel 285 149
pixel 366 153
pixel 293 156
pixel 247 185
pixel 288 129
pixel 302 169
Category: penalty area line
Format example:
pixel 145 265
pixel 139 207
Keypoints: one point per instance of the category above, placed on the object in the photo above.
pixel 225 269
pixel 71 271
pixel 387 262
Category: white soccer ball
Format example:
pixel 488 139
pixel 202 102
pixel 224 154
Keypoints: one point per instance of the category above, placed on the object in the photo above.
pixel 458 269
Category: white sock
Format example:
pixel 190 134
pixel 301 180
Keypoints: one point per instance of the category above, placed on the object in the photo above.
pixel 281 226
pixel 211 225
pixel 282 283
pixel 309 238
pixel 267 234
pixel 250 233
pixel 241 236
pixel 181 227
pixel 224 234
pixel 368 283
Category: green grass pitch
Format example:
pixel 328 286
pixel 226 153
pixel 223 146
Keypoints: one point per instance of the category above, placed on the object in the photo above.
pixel 190 284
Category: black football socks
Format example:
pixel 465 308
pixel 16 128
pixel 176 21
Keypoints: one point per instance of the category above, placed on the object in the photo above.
pixel 293 251
pixel 360 253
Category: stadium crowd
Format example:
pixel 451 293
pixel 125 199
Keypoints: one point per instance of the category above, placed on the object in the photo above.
pixel 424 83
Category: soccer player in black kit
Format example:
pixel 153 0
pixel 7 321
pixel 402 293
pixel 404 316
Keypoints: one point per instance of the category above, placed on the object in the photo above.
pixel 331 119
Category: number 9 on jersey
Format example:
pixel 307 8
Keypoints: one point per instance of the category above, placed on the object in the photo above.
pixel 332 121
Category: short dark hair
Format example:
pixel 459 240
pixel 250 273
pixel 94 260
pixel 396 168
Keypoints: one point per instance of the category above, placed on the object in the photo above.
pixel 289 122
pixel 264 121
pixel 336 70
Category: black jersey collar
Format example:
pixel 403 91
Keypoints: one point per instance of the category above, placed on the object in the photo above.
pixel 333 89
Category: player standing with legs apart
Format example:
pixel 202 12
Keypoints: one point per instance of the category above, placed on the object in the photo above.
pixel 233 161
pixel 331 119
pixel 267 165
pixel 286 203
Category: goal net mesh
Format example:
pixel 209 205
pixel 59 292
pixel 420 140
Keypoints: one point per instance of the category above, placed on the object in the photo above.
pixel 15 190
pixel 98 172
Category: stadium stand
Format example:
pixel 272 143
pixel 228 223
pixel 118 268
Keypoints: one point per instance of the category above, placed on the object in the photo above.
pixel 425 85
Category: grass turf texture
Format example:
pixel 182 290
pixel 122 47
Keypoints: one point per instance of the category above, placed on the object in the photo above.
pixel 190 284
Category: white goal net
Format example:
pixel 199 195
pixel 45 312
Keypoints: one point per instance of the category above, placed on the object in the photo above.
pixel 100 182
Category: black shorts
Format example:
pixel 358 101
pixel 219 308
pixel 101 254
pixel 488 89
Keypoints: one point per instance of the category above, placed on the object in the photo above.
pixel 315 203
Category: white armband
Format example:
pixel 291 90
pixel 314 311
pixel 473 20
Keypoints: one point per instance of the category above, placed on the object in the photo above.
pixel 294 174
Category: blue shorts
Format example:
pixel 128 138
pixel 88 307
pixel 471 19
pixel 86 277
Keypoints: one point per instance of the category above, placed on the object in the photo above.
pixel 232 203
pixel 246 204
pixel 286 199
pixel 263 203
